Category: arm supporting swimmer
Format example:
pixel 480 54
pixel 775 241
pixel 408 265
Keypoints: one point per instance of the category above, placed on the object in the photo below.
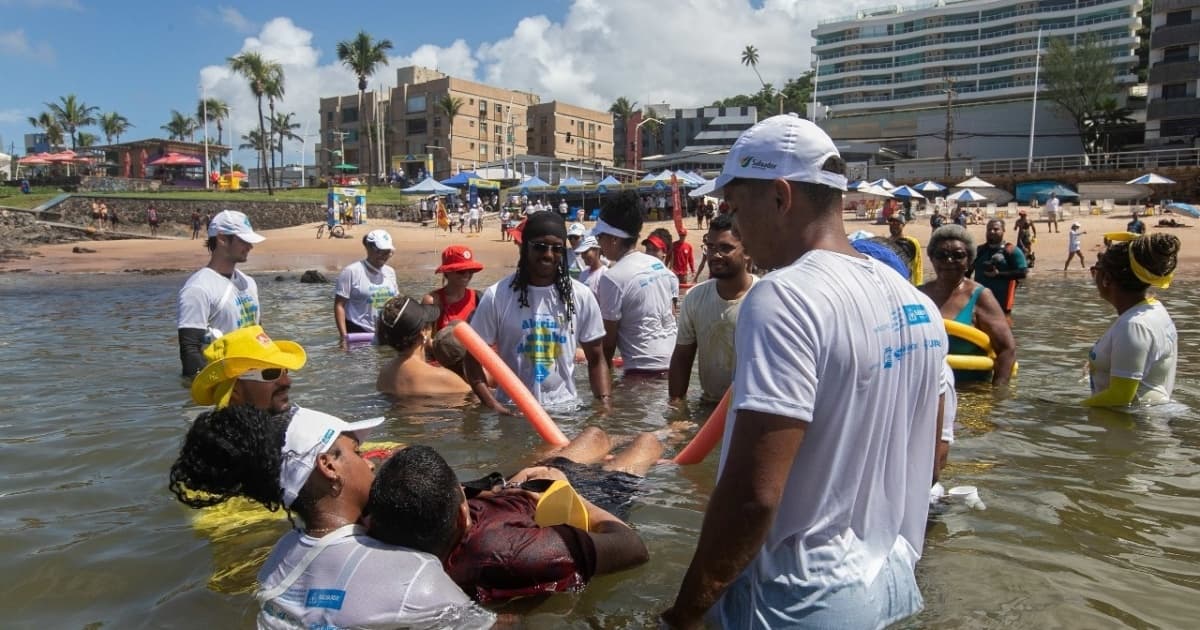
pixel 191 350
pixel 989 318
pixel 1120 393
pixel 477 378
pixel 680 373
pixel 762 450
pixel 339 315
pixel 617 546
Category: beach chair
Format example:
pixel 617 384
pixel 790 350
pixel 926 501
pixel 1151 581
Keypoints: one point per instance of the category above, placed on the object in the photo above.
pixel 996 213
pixel 595 215
pixel 1107 208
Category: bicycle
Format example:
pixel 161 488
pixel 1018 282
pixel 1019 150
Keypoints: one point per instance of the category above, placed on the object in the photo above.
pixel 335 231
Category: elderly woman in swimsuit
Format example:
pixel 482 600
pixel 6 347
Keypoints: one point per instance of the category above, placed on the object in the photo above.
pixel 952 250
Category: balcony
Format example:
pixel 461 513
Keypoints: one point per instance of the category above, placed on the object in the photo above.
pixel 1174 72
pixel 1159 109
pixel 1182 35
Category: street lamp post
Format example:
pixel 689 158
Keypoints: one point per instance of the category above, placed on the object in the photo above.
pixel 637 142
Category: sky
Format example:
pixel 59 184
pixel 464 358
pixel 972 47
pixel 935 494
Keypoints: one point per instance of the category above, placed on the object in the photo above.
pixel 145 58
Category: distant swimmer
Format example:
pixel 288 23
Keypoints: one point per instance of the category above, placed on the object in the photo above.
pixel 1134 362
pixel 218 299
pixel 364 286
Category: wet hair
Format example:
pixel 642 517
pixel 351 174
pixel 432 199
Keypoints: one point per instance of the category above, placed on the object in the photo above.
pixel 414 501
pixel 562 274
pixel 1158 253
pixel 409 320
pixel 624 211
pixel 950 232
pixel 231 452
pixel 720 223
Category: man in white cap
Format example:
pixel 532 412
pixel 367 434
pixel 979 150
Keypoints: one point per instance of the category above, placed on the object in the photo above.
pixel 574 234
pixel 218 298
pixel 364 286
pixel 818 516
pixel 593 265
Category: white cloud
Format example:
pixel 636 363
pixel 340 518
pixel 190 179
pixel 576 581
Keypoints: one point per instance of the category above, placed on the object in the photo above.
pixel 16 44
pixel 234 18
pixel 13 115
pixel 684 52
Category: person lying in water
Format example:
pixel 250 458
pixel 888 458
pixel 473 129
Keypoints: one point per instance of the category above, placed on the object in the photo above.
pixel 406 324
pixel 491 544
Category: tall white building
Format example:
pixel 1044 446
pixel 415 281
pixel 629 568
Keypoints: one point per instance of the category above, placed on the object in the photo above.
pixel 884 73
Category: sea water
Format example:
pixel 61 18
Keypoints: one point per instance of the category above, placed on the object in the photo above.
pixel 1093 516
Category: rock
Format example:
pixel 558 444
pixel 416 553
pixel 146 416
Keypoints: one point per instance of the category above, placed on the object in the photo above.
pixel 312 276
pixel 82 250
pixel 279 278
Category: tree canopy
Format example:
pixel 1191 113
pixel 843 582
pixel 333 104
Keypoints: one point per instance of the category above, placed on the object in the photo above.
pixel 1079 79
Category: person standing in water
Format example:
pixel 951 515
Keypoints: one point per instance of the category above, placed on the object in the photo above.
pixel 455 299
pixel 1134 362
pixel 364 286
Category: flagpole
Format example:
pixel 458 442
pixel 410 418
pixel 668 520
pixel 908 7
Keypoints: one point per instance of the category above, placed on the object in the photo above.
pixel 1037 66
pixel 204 106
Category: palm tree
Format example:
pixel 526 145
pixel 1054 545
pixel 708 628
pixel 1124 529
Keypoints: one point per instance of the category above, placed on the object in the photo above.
pixel 113 125
pixel 750 58
pixel 362 55
pixel 49 124
pixel 450 106
pixel 181 126
pixel 87 139
pixel 260 144
pixel 71 114
pixel 257 72
pixel 274 89
pixel 623 108
pixel 284 128
pixel 213 110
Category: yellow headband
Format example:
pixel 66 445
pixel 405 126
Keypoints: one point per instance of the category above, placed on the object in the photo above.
pixel 1143 274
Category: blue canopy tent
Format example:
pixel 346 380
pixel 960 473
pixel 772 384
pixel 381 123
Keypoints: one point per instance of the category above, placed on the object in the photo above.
pixel 462 179
pixel 531 183
pixel 929 186
pixel 606 184
pixel 570 181
pixel 429 186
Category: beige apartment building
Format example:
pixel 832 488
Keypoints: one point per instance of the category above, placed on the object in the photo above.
pixel 569 132
pixel 491 125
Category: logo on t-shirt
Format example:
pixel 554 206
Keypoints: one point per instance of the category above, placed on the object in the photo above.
pixel 542 345
pixel 380 294
pixel 247 308
pixel 915 314
pixel 325 598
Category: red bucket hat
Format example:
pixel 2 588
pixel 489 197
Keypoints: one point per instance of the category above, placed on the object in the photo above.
pixel 458 258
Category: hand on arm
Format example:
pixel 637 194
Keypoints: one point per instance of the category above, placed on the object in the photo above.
pixel 740 512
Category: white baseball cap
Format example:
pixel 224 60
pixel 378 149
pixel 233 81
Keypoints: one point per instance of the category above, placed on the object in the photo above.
pixel 235 223
pixel 309 434
pixel 784 146
pixel 577 229
pixel 588 242
pixel 380 239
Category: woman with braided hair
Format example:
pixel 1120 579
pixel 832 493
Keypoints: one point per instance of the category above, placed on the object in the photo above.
pixel 536 318
pixel 329 573
pixel 1134 362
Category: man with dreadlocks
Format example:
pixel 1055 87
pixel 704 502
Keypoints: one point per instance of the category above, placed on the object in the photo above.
pixel 536 317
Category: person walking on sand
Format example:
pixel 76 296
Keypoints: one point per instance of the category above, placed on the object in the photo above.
pixel 1052 208
pixel 683 264
pixel 1073 245
pixel 152 219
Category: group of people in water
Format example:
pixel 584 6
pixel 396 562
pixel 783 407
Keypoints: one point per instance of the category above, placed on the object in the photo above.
pixel 834 363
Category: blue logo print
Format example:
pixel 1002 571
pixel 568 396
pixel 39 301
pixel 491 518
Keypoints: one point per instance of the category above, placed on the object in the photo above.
pixel 325 598
pixel 915 314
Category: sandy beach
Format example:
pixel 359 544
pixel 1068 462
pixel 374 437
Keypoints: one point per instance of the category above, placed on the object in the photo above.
pixel 296 249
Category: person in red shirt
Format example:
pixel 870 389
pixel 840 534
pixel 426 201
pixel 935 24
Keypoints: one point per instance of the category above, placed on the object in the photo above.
pixel 682 263
pixel 455 298
pixel 491 544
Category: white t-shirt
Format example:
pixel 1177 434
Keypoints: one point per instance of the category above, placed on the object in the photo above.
pixel 950 406
pixel 592 278
pixel 476 212
pixel 1051 210
pixel 366 290
pixel 1142 344
pixel 708 320
pixel 851 348
pixel 357 581
pixel 537 341
pixel 1073 240
pixel 636 291
pixel 210 300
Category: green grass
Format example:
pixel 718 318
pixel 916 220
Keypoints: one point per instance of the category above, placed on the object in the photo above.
pixel 38 195
pixel 313 195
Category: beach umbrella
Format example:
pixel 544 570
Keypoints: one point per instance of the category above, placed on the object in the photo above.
pixel 929 186
pixel 872 189
pixel 974 182
pixel 905 191
pixel 1151 178
pixel 175 159
pixel 345 167
pixel 883 183
pixel 967 195
pixel 36 159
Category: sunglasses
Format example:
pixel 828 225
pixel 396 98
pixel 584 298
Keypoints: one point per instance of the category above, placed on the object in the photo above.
pixel 956 255
pixel 265 375
pixel 542 248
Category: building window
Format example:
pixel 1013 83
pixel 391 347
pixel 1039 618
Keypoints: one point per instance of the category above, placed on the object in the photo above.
pixel 483 149
pixel 1174 90
pixel 482 127
pixel 471 123
pixel 416 104
pixel 415 126
pixel 329 116
pixel 1174 54
pixel 437 122
pixel 472 101
pixel 471 145
pixel 482 106
pixel 350 115
pixel 1179 18
pixel 499 109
